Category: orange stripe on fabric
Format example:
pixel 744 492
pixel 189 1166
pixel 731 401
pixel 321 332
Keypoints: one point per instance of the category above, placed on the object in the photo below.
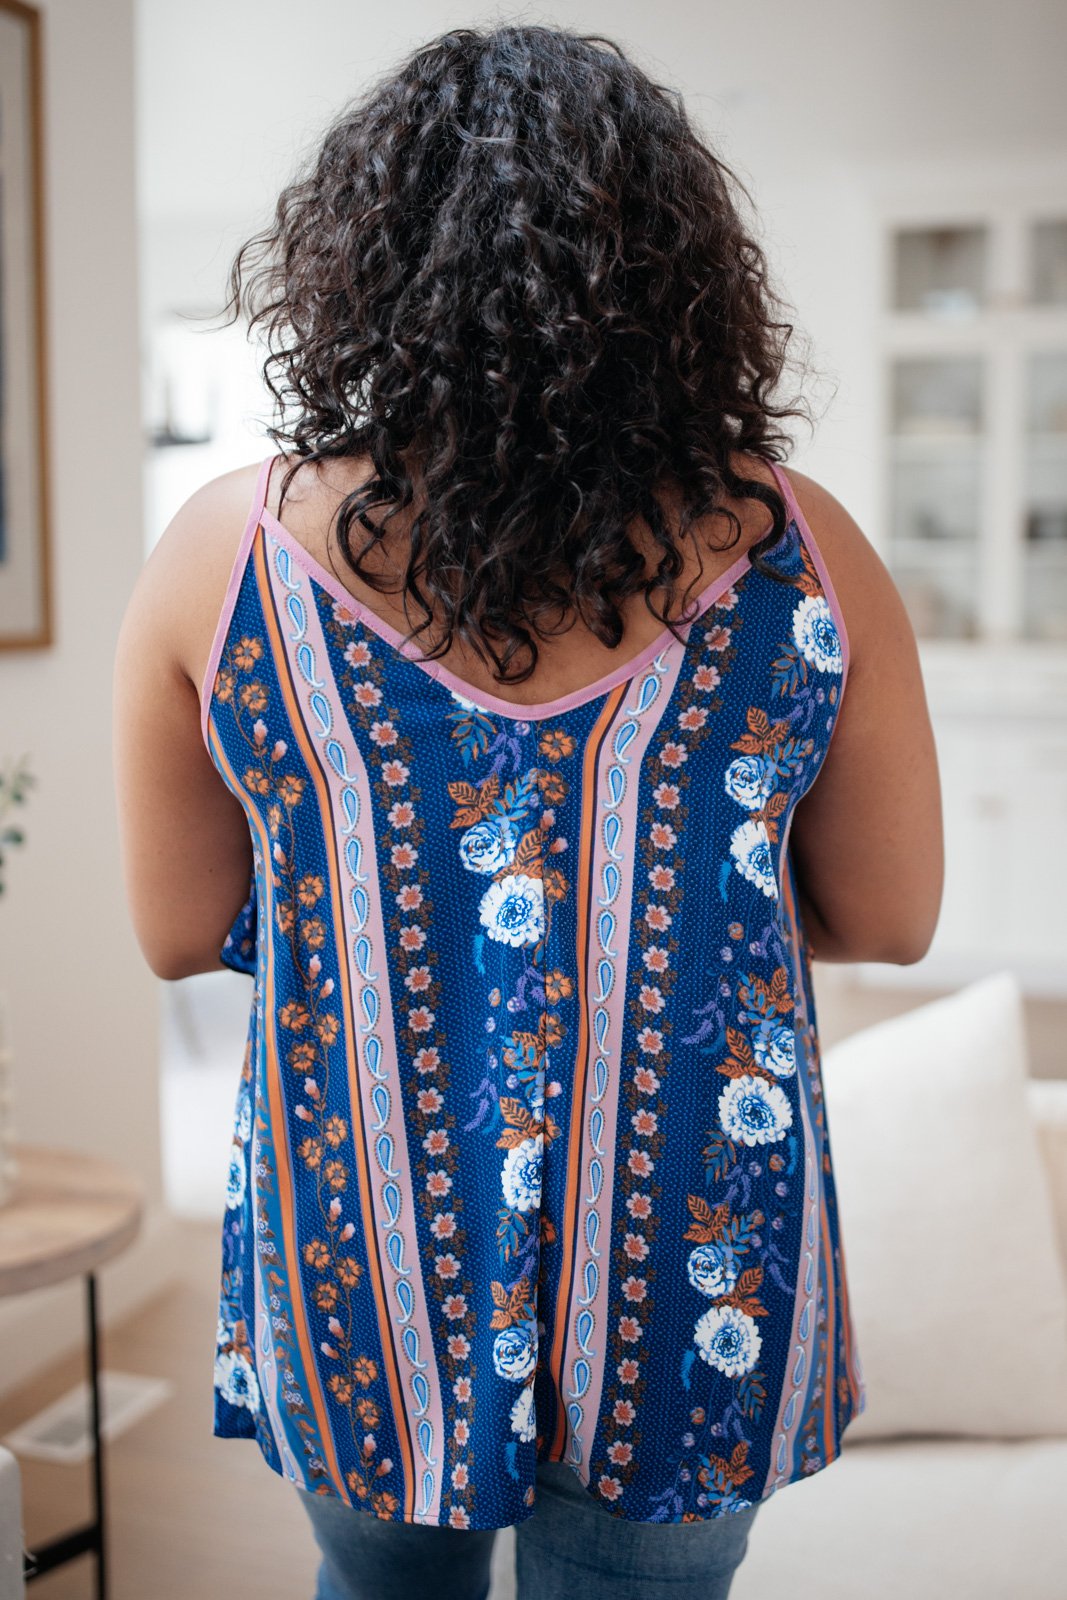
pixel 590 797
pixel 370 1234
pixel 281 1142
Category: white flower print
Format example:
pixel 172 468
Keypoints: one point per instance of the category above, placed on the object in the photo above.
pixel 749 780
pixel 728 1338
pixel 776 1050
pixel 753 1111
pixel 515 1352
pixel 750 847
pixel 236 1380
pixel 488 845
pixel 713 1268
pixel 521 1174
pixel 513 909
pixel 523 1416
pixel 815 633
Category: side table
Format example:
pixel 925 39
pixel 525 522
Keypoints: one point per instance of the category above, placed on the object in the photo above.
pixel 68 1214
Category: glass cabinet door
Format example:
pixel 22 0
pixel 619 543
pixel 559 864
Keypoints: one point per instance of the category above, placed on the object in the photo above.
pixel 1048 272
pixel 935 472
pixel 940 271
pixel 1045 527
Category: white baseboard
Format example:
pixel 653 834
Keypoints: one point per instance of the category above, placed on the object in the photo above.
pixel 45 1325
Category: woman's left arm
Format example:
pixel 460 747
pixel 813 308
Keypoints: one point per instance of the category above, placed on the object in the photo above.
pixel 185 842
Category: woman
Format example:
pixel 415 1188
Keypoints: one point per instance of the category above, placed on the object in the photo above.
pixel 516 673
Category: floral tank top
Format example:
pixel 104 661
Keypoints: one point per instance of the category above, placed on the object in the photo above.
pixel 530 1159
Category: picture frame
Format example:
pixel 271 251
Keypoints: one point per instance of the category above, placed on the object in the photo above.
pixel 26 605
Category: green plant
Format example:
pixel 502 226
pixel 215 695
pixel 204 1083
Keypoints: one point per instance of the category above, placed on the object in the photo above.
pixel 15 780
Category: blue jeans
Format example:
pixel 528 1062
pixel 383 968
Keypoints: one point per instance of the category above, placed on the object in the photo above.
pixel 570 1546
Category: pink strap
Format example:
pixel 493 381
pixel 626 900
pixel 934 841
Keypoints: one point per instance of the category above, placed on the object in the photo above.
pixel 804 530
pixel 240 560
pixel 792 508
pixel 259 499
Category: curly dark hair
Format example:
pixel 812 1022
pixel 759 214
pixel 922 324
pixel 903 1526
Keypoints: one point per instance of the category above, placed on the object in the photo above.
pixel 515 279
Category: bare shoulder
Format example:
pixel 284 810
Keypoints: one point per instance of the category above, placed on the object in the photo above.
pixel 182 586
pixel 873 610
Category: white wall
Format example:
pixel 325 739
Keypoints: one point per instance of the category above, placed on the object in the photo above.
pixel 84 1006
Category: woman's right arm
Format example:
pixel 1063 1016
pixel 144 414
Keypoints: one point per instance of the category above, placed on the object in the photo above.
pixel 866 839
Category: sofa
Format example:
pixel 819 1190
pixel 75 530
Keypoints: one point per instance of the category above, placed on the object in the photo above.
pixel 931 1495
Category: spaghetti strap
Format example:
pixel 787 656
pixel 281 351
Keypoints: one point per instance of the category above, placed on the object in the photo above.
pixel 237 571
pixel 259 499
pixel 807 536
pixel 787 492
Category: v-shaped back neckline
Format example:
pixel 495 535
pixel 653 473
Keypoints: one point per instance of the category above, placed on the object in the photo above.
pixel 536 711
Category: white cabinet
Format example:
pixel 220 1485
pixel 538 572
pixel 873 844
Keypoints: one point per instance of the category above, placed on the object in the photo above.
pixel 973 495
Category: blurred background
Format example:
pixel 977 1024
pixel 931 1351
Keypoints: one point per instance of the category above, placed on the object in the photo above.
pixel 909 167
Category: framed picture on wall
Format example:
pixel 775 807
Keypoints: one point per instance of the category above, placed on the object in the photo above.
pixel 25 574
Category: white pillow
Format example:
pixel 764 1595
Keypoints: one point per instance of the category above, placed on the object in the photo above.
pixel 956 1285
